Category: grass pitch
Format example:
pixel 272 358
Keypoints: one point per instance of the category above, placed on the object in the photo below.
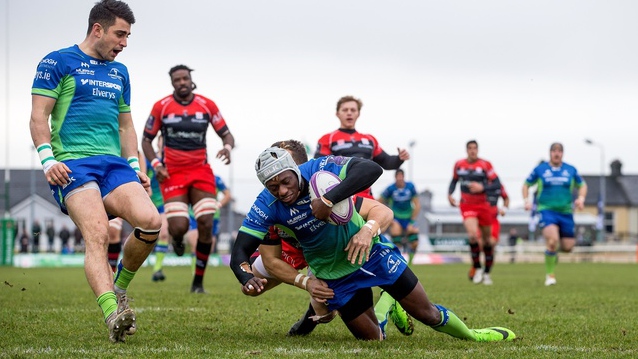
pixel 590 314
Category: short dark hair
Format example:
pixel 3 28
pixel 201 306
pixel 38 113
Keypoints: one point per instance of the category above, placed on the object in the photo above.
pixel 297 149
pixel 556 144
pixel 105 12
pixel 471 142
pixel 398 171
pixel 179 67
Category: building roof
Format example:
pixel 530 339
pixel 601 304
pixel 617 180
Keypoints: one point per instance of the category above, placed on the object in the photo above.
pixel 20 185
pixel 620 189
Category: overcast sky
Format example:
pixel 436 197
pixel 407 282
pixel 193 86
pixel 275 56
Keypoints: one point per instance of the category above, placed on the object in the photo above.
pixel 514 75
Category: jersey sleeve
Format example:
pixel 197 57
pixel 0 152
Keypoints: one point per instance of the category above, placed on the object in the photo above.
pixel 154 121
pixel 259 218
pixel 124 104
pixel 323 146
pixel 377 150
pixel 532 178
pixel 49 75
pixel 216 118
pixel 489 171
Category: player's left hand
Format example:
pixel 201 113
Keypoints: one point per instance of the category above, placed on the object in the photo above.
pixel 360 245
pixel 254 286
pixel 404 155
pixel 224 155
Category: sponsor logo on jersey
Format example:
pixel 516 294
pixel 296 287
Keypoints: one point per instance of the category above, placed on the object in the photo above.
pixel 95 62
pixel 217 117
pixel 259 211
pixel 114 74
pixel 100 83
pixel 171 133
pixel 150 122
pixel 171 118
pixel 103 93
pixel 365 143
pixel 85 72
pixel 43 75
pixel 48 62
pixel 84 64
pixel 341 146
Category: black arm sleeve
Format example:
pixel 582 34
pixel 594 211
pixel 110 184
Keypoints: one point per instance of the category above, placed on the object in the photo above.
pixel 452 186
pixel 360 174
pixel 388 162
pixel 494 185
pixel 245 245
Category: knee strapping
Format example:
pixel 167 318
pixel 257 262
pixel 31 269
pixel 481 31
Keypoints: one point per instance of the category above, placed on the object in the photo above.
pixel 176 209
pixel 148 236
pixel 205 206
pixel 413 237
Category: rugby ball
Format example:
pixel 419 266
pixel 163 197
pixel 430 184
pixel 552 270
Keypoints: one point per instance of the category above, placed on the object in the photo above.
pixel 322 182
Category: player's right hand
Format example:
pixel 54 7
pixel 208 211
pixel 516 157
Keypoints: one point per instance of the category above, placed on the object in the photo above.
pixel 319 290
pixel 161 173
pixel 58 174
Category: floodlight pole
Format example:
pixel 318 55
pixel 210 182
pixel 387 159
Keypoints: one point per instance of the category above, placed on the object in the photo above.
pixel 601 231
pixel 411 145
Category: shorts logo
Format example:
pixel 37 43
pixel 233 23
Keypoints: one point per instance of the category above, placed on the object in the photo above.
pixel 71 179
pixel 393 264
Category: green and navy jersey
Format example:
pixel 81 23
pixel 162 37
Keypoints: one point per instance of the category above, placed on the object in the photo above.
pixel 221 187
pixel 323 244
pixel 156 192
pixel 556 186
pixel 90 94
pixel 400 199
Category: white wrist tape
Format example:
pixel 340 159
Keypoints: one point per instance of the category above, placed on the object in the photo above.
pixel 45 152
pixel 155 162
pixel 303 282
pixel 228 147
pixel 134 163
pixel 327 202
pixel 370 224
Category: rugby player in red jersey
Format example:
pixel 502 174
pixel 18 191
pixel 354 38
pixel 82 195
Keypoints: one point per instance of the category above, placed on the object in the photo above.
pixel 184 174
pixel 477 178
pixel 347 142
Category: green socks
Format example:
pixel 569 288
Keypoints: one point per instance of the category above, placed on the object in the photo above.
pixel 452 325
pixel 382 308
pixel 108 302
pixel 123 277
pixel 550 261
pixel 160 252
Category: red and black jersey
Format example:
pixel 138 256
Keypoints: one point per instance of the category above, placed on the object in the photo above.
pixel 348 143
pixel 184 128
pixel 478 171
pixel 291 251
